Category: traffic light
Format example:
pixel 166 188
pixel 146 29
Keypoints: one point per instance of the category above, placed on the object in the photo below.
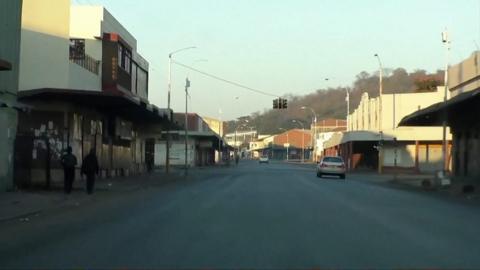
pixel 280 103
pixel 275 104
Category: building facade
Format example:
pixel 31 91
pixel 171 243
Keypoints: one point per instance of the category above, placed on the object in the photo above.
pixel 460 112
pixel 204 146
pixel 323 131
pixel 294 144
pixel 10 25
pixel 87 87
pixel 374 142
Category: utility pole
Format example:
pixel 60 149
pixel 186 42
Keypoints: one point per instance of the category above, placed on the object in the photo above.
pixel 347 99
pixel 303 144
pixel 288 145
pixel 167 144
pixel 314 141
pixel 187 85
pixel 380 93
pixel 303 138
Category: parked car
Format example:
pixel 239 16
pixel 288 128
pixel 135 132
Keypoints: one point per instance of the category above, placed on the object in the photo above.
pixel 263 159
pixel 331 165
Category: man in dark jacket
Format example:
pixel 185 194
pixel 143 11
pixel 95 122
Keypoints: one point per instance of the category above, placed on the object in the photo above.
pixel 90 168
pixel 69 161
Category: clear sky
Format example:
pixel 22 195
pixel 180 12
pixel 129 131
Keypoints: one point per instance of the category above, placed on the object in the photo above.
pixel 287 46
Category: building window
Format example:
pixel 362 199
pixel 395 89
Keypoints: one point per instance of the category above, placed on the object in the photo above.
pixel 142 82
pixel 124 58
pixel 77 48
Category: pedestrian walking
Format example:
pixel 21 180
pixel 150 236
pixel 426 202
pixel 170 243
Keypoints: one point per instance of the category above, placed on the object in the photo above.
pixel 69 161
pixel 90 169
pixel 150 162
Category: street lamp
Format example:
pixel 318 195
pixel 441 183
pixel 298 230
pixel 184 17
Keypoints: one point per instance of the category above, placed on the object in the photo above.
pixel 288 144
pixel 380 92
pixel 446 42
pixel 314 139
pixel 303 138
pixel 347 100
pixel 187 85
pixel 236 129
pixel 167 150
pixel 250 141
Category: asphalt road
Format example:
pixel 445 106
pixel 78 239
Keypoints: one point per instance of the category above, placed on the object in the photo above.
pixel 253 216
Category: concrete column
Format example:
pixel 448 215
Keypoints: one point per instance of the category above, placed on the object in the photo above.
pixel 417 165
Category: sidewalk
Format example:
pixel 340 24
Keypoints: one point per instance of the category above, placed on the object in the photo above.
pixel 22 204
pixel 413 180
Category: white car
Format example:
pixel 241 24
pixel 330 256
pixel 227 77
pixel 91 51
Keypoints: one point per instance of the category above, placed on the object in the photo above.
pixel 331 165
pixel 263 159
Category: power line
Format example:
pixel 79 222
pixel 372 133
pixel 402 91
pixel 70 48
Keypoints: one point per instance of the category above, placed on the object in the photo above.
pixel 225 80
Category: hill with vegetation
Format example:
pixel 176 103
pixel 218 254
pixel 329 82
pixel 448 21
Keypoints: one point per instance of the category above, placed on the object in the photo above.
pixel 330 103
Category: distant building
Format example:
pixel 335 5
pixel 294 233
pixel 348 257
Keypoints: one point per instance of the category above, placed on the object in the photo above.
pixel 204 146
pixel 462 112
pixel 329 125
pixel 323 130
pixel 291 145
pixel 215 125
pixel 240 138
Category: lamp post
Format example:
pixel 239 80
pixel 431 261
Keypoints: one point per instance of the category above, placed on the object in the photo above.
pixel 314 139
pixel 288 144
pixel 380 93
pixel 235 136
pixel 167 145
pixel 303 138
pixel 446 42
pixel 187 85
pixel 250 141
pixel 347 100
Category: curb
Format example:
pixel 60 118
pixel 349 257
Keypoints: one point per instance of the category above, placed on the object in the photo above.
pixel 135 187
pixel 20 216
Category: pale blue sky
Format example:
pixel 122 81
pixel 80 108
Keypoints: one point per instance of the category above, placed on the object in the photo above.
pixel 287 46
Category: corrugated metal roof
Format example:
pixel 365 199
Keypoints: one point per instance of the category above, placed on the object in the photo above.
pixel 432 115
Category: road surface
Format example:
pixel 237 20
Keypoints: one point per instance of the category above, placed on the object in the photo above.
pixel 252 216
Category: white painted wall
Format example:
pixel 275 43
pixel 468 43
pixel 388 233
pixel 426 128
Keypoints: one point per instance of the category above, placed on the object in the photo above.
pixel 394 108
pixel 44 49
pixel 320 141
pixel 177 153
pixel 463 77
pixel 429 157
pixel 47 27
pixel 82 79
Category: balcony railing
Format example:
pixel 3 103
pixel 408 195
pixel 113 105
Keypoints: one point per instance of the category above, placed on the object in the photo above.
pixel 87 62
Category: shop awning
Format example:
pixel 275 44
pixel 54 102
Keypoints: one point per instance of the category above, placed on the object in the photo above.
pixel 15 105
pixel 116 103
pixel 208 135
pixel 356 136
pixel 433 115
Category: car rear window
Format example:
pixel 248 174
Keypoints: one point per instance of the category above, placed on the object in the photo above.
pixel 333 159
